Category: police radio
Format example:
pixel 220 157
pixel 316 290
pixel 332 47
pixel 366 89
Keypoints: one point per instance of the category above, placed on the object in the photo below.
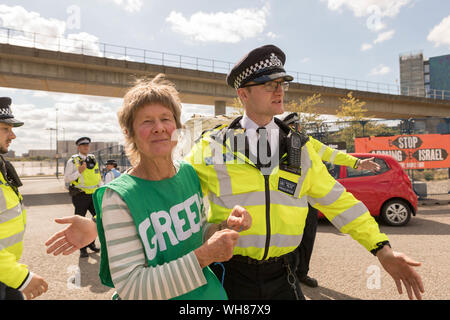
pixel 10 175
pixel 294 149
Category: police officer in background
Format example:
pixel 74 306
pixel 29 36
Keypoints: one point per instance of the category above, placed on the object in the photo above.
pixel 258 162
pixel 83 176
pixel 111 171
pixel 15 278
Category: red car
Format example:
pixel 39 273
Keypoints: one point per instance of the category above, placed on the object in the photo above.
pixel 387 193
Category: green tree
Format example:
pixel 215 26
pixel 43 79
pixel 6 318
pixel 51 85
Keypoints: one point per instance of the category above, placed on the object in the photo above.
pixel 310 121
pixel 355 122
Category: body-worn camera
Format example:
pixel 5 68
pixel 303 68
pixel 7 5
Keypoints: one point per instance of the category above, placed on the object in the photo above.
pixel 90 162
pixel 295 142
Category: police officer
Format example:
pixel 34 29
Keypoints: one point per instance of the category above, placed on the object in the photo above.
pixel 331 156
pixel 258 162
pixel 83 176
pixel 111 171
pixel 16 279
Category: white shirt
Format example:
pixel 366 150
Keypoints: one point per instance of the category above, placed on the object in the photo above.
pixel 71 172
pixel 250 129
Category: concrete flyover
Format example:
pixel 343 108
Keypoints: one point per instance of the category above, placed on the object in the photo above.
pixel 55 71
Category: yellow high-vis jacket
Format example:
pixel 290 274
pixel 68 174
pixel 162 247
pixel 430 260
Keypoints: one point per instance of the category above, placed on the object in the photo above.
pixel 332 155
pixel 89 180
pixel 277 202
pixel 12 228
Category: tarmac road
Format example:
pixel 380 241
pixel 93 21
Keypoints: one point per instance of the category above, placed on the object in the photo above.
pixel 344 269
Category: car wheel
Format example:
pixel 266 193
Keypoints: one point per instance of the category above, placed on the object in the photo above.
pixel 396 213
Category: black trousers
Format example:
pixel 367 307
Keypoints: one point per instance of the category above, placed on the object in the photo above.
pixel 304 250
pixel 8 293
pixel 267 281
pixel 83 203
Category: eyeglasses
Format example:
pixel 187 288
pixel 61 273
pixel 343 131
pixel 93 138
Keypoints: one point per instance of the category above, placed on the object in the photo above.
pixel 271 86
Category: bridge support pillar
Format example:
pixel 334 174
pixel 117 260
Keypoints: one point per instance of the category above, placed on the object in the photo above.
pixel 219 107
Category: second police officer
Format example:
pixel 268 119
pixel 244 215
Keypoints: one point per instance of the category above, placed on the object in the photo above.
pixel 82 174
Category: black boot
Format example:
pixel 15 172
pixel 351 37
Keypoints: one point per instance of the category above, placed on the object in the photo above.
pixel 310 282
pixel 93 247
pixel 83 253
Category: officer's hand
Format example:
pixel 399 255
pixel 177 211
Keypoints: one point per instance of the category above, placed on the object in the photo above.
pixel 239 219
pixel 79 233
pixel 399 266
pixel 368 164
pixel 35 288
pixel 218 248
pixel 82 167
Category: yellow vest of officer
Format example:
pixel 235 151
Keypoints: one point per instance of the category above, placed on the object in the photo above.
pixel 277 203
pixel 90 178
pixel 12 229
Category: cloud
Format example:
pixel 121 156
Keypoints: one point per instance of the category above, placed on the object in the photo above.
pixel 380 70
pixel 374 10
pixel 363 8
pixel 271 35
pixel 366 46
pixel 32 30
pixel 77 115
pixel 130 5
pixel 384 36
pixel 226 27
pixel 440 34
pixel 18 18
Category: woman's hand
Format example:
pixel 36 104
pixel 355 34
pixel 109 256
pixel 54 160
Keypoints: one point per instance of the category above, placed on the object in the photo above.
pixel 239 219
pixel 79 233
pixel 218 248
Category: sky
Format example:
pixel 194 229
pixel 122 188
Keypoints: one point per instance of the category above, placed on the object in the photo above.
pixel 351 39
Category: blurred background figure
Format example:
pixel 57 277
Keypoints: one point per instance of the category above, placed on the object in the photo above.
pixel 111 171
pixel 83 176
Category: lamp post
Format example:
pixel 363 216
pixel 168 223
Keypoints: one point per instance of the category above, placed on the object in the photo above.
pixel 56 150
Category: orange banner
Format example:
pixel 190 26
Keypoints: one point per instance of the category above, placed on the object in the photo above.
pixel 416 151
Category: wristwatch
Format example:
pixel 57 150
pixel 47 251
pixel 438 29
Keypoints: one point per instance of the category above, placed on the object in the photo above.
pixel 380 246
pixel 223 225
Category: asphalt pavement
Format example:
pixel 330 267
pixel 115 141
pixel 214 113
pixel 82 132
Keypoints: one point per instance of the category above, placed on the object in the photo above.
pixel 343 268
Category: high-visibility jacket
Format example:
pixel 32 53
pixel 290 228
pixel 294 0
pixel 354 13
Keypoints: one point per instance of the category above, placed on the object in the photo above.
pixel 278 203
pixel 12 228
pixel 332 155
pixel 90 179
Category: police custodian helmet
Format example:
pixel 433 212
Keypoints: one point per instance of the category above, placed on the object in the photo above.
pixel 6 115
pixel 260 65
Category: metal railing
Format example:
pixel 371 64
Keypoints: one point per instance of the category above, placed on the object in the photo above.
pixel 72 44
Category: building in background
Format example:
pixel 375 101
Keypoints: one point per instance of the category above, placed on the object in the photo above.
pixel 422 77
pixel 66 148
pixel 41 153
pixel 439 75
pixel 412 80
pixel 10 154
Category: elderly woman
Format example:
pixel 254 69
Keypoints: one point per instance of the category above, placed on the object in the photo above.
pixel 155 243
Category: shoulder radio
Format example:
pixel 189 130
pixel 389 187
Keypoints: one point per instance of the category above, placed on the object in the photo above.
pixel 294 149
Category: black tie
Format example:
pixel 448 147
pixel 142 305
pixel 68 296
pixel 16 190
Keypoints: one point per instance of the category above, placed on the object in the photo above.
pixel 263 148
